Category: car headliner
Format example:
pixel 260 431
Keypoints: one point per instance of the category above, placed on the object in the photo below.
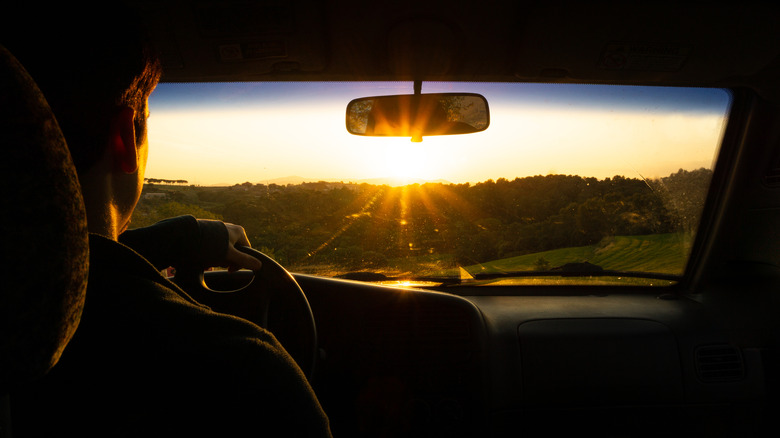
pixel 669 43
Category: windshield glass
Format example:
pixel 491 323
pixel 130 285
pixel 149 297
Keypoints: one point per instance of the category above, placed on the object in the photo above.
pixel 568 181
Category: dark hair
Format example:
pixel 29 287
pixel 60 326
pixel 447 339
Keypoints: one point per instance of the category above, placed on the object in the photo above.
pixel 88 64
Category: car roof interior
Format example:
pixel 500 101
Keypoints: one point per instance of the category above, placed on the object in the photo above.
pixel 621 360
pixel 669 43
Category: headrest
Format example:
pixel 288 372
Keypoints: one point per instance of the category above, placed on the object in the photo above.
pixel 43 231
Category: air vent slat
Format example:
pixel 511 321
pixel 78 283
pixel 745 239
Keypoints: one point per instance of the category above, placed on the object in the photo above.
pixel 773 179
pixel 719 364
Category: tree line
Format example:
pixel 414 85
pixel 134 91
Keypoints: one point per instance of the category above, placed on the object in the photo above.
pixel 164 181
pixel 364 226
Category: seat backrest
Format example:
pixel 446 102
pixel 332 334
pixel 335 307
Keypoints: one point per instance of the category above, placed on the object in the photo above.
pixel 43 233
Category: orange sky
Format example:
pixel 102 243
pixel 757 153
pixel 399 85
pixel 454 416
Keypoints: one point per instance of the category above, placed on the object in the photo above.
pixel 210 142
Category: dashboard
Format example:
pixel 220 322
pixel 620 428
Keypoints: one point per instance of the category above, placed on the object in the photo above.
pixel 412 362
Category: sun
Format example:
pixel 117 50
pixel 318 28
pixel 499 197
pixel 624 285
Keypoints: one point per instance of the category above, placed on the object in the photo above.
pixel 404 161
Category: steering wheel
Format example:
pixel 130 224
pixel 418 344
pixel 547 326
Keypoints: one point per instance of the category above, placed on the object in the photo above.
pixel 270 297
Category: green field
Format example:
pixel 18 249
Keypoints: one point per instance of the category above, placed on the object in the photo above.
pixel 333 229
pixel 660 253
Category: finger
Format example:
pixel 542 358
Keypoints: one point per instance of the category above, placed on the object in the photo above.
pixel 237 260
pixel 237 235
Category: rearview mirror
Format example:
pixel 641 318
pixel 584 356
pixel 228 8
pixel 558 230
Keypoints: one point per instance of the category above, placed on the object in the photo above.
pixel 418 115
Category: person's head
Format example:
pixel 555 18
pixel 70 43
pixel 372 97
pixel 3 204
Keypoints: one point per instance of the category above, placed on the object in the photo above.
pixel 89 64
pixel 96 69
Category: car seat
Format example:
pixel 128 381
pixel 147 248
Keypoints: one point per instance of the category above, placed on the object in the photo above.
pixel 44 237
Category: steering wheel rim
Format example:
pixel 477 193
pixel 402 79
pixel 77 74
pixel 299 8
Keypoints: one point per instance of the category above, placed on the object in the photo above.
pixel 272 299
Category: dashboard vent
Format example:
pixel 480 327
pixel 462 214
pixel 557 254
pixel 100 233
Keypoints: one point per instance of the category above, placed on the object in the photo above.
pixel 772 176
pixel 719 364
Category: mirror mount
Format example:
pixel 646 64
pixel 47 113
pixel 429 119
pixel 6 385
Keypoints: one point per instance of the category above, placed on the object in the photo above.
pixel 416 132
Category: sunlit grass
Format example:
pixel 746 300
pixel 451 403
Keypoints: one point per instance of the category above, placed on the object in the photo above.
pixel 658 253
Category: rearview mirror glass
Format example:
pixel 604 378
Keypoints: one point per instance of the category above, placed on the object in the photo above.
pixel 418 115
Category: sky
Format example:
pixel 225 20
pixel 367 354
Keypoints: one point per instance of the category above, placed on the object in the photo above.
pixel 224 134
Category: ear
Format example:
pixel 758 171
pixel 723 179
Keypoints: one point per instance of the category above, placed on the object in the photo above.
pixel 122 141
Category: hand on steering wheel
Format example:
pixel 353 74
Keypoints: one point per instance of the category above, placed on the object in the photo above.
pixel 235 258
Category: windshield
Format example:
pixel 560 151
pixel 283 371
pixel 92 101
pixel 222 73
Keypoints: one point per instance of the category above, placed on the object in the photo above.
pixel 568 181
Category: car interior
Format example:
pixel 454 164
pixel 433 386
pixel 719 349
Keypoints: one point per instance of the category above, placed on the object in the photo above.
pixel 689 353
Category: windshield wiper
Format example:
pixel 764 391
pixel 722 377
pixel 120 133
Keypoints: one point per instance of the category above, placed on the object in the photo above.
pixel 376 277
pixel 584 269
